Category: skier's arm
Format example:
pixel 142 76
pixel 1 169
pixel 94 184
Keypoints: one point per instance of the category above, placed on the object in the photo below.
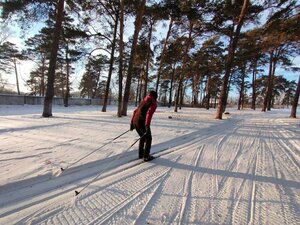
pixel 150 113
pixel 133 116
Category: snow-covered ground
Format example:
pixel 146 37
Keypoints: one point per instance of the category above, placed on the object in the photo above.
pixel 244 169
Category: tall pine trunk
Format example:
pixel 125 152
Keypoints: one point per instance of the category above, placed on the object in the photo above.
pixel 171 86
pixel 67 94
pixel 53 58
pixel 148 58
pixel 242 88
pixel 177 98
pixel 295 102
pixel 120 72
pixel 163 54
pixel 253 104
pixel 184 63
pixel 270 99
pixel 207 91
pixel 42 89
pixel 195 81
pixel 268 91
pixel 111 62
pixel 137 28
pixel 137 91
pixel 229 61
pixel 17 76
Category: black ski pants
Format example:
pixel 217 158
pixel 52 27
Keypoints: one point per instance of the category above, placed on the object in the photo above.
pixel 145 141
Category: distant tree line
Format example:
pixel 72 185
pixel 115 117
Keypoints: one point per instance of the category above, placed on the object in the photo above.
pixel 209 48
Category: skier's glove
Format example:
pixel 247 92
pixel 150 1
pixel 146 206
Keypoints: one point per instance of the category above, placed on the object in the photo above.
pixel 131 127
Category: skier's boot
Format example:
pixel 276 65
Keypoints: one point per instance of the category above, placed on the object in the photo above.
pixel 149 158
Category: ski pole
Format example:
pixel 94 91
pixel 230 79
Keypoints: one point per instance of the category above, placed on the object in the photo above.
pixel 63 169
pixel 101 172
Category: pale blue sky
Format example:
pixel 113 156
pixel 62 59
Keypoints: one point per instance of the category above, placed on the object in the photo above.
pixel 25 67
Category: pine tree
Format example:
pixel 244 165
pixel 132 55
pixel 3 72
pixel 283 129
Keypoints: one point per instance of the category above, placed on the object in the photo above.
pixel 238 21
pixel 281 32
pixel 296 100
pixel 9 57
pixel 137 28
pixel 90 82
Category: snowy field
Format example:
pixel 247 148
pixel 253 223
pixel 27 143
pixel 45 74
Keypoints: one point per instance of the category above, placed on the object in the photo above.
pixel 244 169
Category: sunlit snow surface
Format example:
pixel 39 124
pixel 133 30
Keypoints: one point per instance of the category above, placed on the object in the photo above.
pixel 243 169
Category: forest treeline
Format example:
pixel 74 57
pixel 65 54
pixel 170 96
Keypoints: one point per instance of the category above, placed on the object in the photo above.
pixel 208 48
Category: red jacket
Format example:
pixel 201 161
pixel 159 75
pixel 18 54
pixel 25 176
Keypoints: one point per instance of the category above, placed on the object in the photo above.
pixel 144 111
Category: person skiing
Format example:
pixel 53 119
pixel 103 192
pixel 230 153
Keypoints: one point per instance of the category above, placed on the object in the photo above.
pixel 141 120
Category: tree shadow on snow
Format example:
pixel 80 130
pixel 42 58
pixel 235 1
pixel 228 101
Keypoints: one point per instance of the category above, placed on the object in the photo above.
pixel 225 173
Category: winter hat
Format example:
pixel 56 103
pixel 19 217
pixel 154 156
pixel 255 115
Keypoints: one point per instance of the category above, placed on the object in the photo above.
pixel 153 94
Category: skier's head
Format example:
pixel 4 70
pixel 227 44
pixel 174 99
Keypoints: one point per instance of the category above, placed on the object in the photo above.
pixel 153 94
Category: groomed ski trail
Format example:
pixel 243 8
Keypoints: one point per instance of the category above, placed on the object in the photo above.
pixel 244 170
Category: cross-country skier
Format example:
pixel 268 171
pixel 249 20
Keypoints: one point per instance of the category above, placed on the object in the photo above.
pixel 141 120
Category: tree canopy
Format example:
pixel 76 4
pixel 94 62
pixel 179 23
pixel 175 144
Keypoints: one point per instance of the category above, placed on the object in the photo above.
pixel 191 52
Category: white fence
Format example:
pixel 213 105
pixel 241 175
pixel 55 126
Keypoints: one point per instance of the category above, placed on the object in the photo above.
pixel 37 100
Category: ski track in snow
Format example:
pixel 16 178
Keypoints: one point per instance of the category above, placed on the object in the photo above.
pixel 241 170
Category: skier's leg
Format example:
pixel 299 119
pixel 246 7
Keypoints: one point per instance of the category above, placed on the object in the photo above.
pixel 141 132
pixel 141 147
pixel 148 145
